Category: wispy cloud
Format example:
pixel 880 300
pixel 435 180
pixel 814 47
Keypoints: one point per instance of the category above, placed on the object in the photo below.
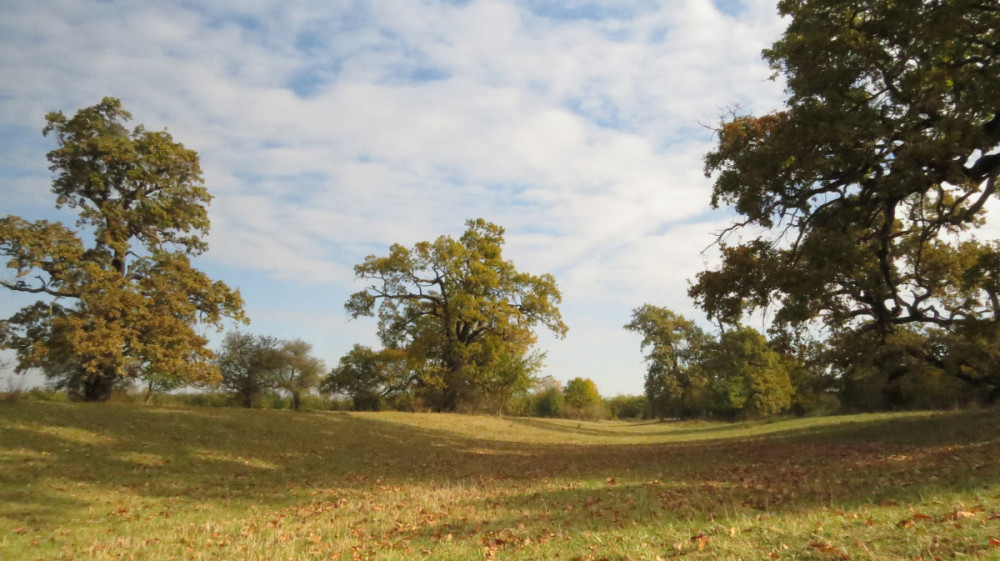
pixel 329 130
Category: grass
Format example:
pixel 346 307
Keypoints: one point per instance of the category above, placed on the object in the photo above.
pixel 133 482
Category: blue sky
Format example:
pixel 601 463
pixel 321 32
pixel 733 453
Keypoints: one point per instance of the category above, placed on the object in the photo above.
pixel 328 130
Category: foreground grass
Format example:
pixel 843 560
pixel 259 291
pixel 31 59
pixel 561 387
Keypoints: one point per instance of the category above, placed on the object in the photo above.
pixel 132 482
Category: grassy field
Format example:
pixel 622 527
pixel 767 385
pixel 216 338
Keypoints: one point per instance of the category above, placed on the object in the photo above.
pixel 133 482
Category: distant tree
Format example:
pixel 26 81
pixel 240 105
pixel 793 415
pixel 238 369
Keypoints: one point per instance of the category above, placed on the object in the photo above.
pixel 548 397
pixel 299 371
pixel 151 383
pixel 250 365
pixel 581 393
pixel 749 378
pixel 628 406
pixel 815 381
pixel 676 385
pixel 858 199
pixel 369 377
pixel 449 301
pixel 127 305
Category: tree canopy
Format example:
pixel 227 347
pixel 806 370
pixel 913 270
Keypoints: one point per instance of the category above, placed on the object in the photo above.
pixel 299 371
pixel 693 373
pixel 127 304
pixel 675 385
pixel 459 307
pixel 252 365
pixel 370 378
pixel 869 184
pixel 581 393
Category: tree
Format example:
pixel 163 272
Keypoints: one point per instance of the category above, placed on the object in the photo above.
pixel 628 406
pixel 581 393
pixel 749 379
pixel 675 383
pixel 446 301
pixel 250 365
pixel 369 377
pixel 868 183
pixel 549 399
pixel 506 370
pixel 299 371
pixel 127 304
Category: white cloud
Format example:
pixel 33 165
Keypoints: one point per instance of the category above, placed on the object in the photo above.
pixel 329 130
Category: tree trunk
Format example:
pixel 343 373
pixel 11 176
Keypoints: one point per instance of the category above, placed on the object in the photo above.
pixel 296 401
pixel 97 386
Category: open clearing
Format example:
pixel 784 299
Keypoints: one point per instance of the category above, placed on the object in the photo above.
pixel 132 482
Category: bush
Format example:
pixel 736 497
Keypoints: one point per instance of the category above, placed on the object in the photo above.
pixel 549 403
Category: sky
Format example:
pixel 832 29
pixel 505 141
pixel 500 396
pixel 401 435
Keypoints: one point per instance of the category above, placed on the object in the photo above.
pixel 329 130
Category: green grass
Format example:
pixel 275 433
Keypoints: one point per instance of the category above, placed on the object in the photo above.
pixel 133 482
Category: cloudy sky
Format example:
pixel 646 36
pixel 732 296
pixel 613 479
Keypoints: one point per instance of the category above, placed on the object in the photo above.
pixel 330 129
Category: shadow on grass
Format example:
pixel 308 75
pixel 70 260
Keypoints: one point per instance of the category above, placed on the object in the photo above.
pixel 567 427
pixel 256 457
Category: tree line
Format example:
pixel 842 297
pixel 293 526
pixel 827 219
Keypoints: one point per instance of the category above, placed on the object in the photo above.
pixel 859 205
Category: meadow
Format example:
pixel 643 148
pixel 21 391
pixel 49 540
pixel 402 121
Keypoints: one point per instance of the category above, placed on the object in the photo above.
pixel 126 481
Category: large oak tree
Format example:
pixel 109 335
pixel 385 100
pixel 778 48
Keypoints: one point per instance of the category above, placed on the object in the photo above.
pixel 121 299
pixel 870 182
pixel 459 306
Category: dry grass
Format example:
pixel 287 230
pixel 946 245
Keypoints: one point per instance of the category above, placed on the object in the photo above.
pixel 133 482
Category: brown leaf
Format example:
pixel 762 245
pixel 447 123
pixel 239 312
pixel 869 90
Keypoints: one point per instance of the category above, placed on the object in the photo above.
pixel 994 542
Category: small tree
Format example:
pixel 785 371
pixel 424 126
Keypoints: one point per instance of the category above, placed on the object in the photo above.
pixel 548 398
pixel 507 370
pixel 299 371
pixel 369 377
pixel 749 378
pixel 581 393
pixel 250 365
